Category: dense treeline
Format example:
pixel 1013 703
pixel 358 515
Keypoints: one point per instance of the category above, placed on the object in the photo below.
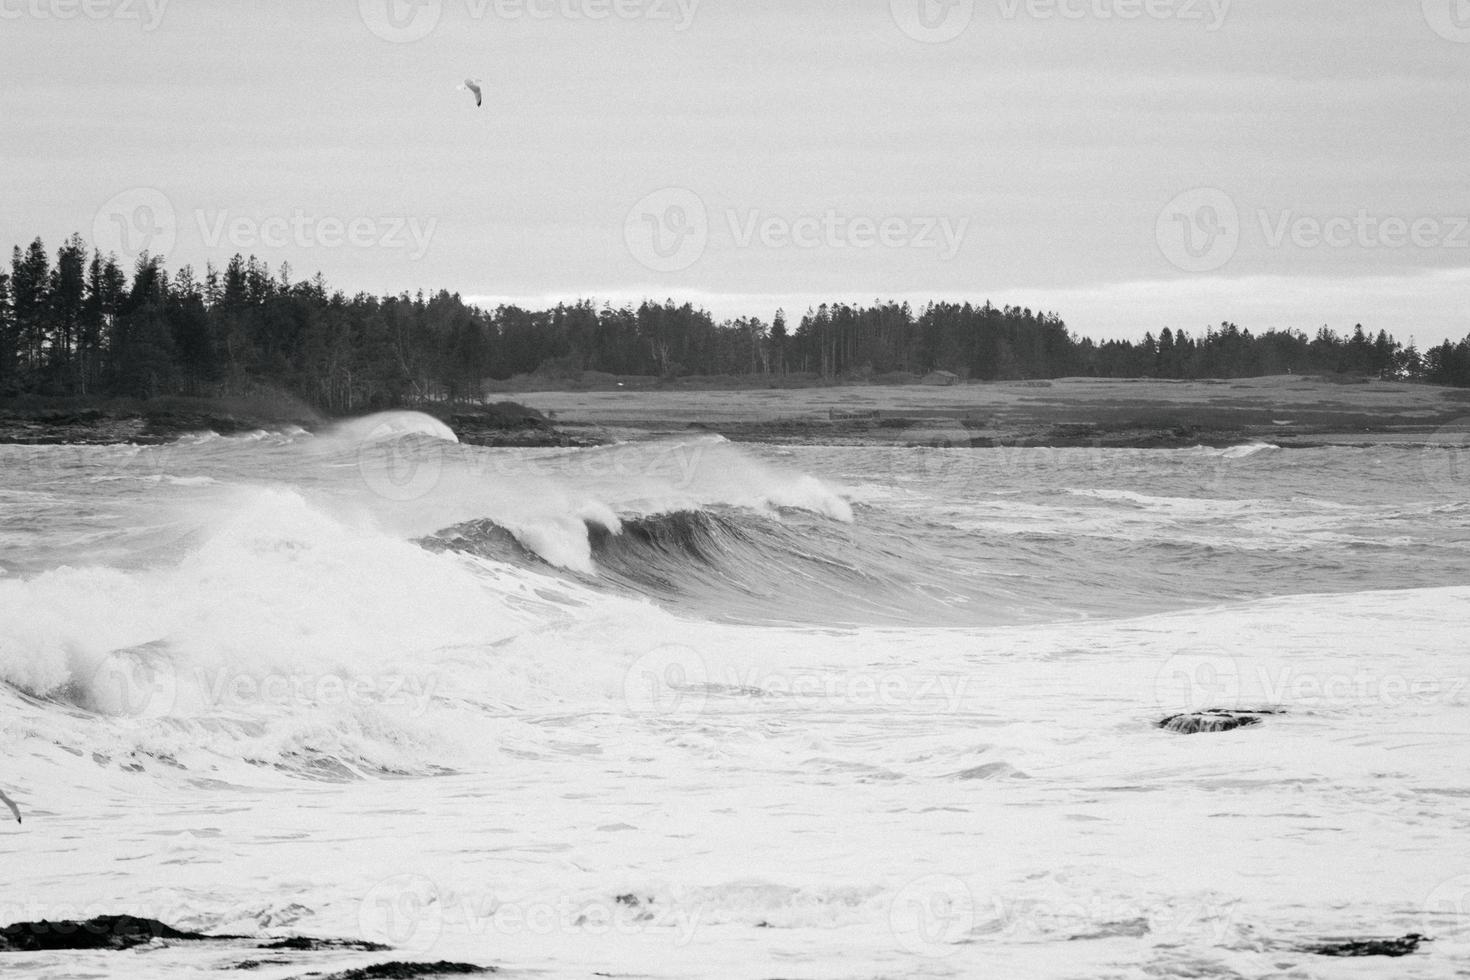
pixel 79 324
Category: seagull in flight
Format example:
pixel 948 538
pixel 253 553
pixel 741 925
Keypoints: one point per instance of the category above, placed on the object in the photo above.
pixel 10 803
pixel 473 85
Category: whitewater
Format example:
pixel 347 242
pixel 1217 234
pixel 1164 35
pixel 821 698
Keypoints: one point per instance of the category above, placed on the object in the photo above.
pixel 687 708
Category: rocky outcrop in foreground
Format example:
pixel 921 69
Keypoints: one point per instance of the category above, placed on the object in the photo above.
pixel 115 932
pixel 1213 720
pixel 409 971
pixel 1369 947
pixel 125 932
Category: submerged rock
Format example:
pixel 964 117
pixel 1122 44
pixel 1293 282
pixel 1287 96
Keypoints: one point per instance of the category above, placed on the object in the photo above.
pixel 1369 947
pixel 993 770
pixel 1124 928
pixel 408 971
pixel 1213 720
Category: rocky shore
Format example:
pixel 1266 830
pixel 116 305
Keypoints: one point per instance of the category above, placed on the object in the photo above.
pixel 150 426
pixel 98 427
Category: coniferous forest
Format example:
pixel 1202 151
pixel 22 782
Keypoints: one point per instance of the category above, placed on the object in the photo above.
pixel 79 324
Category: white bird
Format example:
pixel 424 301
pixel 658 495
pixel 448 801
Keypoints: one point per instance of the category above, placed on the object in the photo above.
pixel 473 85
pixel 10 803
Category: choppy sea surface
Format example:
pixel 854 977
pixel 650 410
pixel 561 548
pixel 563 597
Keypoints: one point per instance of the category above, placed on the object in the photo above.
pixel 690 708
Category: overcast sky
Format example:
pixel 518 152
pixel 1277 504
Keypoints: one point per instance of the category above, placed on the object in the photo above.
pixel 1129 164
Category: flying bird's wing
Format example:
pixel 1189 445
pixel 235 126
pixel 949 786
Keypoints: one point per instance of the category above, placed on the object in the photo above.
pixel 473 85
pixel 10 803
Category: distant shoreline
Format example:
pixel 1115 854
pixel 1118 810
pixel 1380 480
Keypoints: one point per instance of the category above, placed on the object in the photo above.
pixel 1067 413
pixel 1287 410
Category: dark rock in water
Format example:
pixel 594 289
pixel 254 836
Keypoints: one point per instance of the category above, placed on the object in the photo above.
pixel 308 944
pixel 1369 947
pixel 508 424
pixel 120 932
pixel 103 932
pixel 408 971
pixel 631 901
pixel 1214 720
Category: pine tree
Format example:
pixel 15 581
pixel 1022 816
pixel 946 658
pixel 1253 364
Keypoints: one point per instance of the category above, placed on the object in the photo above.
pixel 68 300
pixel 779 341
pixel 8 383
pixel 30 279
